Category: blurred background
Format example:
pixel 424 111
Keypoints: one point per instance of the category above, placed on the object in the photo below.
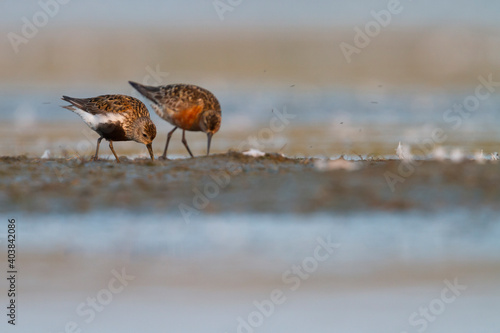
pixel 256 56
pixel 352 86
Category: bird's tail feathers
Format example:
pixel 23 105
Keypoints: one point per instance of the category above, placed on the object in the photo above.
pixel 78 102
pixel 147 91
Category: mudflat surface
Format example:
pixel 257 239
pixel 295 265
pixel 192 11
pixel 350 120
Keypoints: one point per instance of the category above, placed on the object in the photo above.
pixel 233 182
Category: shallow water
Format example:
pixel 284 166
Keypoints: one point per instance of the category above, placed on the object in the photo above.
pixel 324 13
pixel 208 274
pixel 461 235
pixel 294 121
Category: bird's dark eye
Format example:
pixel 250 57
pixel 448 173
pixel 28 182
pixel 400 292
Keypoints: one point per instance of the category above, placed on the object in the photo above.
pixel 144 135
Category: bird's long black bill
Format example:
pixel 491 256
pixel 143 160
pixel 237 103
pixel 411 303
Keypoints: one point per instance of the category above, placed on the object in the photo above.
pixel 150 149
pixel 209 136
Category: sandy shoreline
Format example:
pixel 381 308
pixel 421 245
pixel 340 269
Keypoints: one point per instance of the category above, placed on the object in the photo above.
pixel 432 56
pixel 329 139
pixel 56 269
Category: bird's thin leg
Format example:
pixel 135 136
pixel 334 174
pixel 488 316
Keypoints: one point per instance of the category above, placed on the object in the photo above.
pixel 164 156
pixel 185 143
pixel 95 157
pixel 111 147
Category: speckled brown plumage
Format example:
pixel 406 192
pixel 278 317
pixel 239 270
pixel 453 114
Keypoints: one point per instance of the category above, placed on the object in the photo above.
pixel 115 118
pixel 186 106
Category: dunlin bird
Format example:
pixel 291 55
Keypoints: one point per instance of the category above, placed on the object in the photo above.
pixel 115 118
pixel 187 106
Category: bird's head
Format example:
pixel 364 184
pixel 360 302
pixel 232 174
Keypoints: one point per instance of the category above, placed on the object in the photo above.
pixel 144 132
pixel 210 121
pixel 210 124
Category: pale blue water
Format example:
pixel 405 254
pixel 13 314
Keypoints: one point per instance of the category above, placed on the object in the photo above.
pixel 362 237
pixel 402 111
pixel 256 13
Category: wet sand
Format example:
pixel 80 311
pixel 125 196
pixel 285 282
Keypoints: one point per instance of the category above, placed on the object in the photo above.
pixel 233 182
